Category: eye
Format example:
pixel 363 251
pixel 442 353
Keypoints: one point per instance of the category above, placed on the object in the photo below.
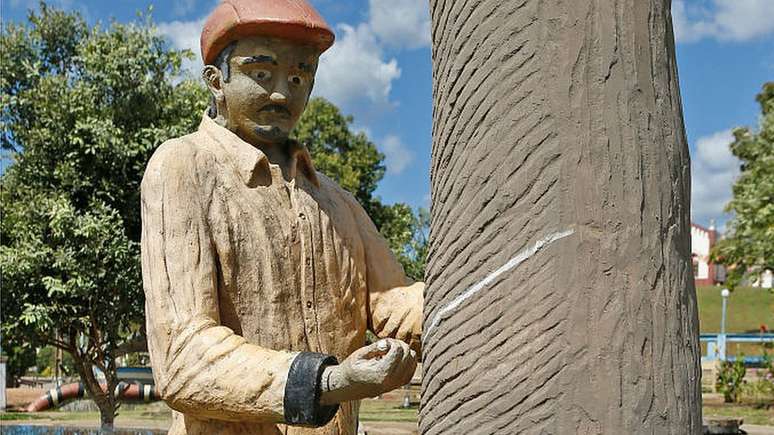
pixel 296 80
pixel 261 74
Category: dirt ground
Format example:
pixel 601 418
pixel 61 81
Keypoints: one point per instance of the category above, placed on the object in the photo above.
pixel 751 429
pixel 390 428
pixel 19 398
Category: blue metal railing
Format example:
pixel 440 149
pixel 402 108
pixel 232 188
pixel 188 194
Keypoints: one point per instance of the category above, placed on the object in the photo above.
pixel 717 345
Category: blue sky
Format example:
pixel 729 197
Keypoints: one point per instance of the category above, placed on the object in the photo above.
pixel 379 71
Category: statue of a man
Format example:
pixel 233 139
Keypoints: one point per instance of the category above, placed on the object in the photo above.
pixel 261 274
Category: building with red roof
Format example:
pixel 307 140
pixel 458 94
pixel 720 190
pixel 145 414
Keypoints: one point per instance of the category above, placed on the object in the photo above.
pixel 705 272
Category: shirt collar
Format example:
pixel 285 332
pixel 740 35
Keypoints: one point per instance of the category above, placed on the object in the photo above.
pixel 250 162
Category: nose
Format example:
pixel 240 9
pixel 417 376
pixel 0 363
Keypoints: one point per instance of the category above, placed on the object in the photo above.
pixel 278 98
pixel 281 92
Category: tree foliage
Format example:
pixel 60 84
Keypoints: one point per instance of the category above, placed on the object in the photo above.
pixel 354 162
pixel 82 110
pixel 20 359
pixel 748 248
pixel 46 362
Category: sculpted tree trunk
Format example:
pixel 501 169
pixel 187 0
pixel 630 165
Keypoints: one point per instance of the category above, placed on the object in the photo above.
pixel 561 297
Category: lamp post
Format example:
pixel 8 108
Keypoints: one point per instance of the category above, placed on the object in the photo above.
pixel 722 337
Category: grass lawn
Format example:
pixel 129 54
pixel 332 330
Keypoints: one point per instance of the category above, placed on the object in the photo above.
pixel 384 410
pixel 748 309
pixel 126 417
pixel 19 416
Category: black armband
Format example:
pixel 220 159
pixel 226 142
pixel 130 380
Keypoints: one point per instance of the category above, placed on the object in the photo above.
pixel 302 391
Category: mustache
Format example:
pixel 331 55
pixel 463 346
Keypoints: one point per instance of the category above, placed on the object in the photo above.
pixel 275 108
pixel 275 134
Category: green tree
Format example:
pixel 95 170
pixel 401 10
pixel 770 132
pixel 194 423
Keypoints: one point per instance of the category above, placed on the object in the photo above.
pixel 82 110
pixel 407 232
pixel 354 162
pixel 748 248
pixel 20 359
pixel 45 361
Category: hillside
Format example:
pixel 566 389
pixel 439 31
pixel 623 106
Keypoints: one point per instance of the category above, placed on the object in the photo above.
pixel 748 309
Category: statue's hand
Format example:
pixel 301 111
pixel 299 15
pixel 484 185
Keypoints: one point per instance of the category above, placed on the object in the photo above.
pixel 384 365
pixel 368 372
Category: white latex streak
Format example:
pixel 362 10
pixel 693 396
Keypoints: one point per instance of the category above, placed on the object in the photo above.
pixel 512 263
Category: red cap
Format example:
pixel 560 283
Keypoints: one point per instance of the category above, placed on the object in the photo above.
pixel 296 20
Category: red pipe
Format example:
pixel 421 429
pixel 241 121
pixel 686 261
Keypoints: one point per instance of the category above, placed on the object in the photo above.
pixel 124 392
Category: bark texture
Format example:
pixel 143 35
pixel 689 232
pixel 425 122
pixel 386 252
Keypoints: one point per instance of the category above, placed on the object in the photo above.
pixel 560 298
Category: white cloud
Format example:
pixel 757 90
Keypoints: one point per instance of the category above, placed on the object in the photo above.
pixel 183 7
pixel 400 23
pixel 725 20
pixel 182 35
pixel 397 157
pixel 354 68
pixel 713 171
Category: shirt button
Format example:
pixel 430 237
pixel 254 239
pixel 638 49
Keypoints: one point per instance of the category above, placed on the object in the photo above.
pixel 302 216
pixel 309 304
pixel 308 261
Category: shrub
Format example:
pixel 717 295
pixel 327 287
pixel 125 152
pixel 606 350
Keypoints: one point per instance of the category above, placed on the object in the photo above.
pixel 731 379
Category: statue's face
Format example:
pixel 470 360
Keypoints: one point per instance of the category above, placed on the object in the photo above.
pixel 270 82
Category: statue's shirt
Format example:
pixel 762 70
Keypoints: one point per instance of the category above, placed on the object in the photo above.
pixel 243 269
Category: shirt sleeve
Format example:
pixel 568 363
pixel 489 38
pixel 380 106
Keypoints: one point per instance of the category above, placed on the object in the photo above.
pixel 201 367
pixel 394 302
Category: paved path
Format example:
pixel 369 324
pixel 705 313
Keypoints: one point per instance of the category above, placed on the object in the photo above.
pixel 390 428
pixel 752 429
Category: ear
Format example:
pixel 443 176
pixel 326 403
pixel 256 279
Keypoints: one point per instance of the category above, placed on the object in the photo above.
pixel 214 80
